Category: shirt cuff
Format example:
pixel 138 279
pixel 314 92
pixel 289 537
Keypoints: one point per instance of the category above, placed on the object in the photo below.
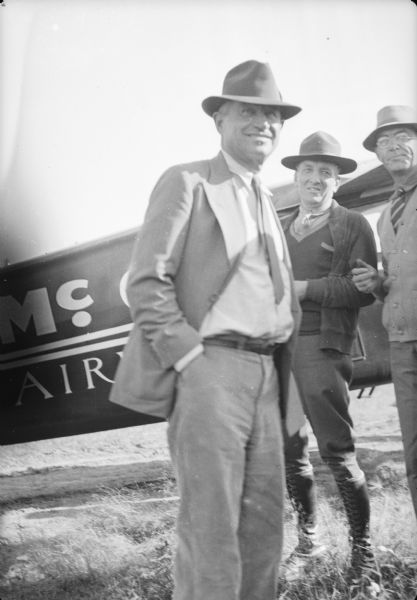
pixel 191 355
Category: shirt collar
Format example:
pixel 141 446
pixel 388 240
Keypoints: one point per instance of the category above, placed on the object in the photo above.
pixel 245 175
pixel 305 216
pixel 410 182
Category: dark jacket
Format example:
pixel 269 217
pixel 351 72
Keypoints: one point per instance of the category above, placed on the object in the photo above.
pixel 339 299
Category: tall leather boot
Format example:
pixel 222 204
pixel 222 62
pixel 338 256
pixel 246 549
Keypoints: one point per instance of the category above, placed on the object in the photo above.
pixel 302 494
pixel 363 568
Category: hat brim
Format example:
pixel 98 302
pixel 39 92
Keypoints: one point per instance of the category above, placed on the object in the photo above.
pixel 212 104
pixel 346 165
pixel 370 142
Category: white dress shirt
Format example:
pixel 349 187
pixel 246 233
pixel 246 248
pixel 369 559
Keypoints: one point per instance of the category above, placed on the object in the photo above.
pixel 247 305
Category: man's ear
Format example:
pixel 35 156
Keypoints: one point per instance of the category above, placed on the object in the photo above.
pixel 337 183
pixel 295 176
pixel 218 120
pixel 378 154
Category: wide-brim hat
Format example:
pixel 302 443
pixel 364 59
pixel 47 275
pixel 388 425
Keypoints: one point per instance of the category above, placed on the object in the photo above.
pixel 321 146
pixel 391 116
pixel 251 82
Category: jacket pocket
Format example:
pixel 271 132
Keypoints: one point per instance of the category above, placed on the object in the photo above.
pixel 327 247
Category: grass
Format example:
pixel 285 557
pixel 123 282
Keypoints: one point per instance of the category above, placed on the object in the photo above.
pixel 396 552
pixel 117 548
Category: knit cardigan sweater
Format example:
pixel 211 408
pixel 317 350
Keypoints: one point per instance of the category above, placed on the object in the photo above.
pixel 337 295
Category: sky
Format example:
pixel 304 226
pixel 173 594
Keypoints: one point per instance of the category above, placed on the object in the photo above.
pixel 98 97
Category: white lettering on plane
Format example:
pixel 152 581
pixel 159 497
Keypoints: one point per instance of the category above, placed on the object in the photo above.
pixel 92 370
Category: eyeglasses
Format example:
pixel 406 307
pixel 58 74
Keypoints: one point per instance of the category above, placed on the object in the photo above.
pixel 399 138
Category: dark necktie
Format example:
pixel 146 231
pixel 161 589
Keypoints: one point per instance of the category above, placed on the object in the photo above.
pixel 267 236
pixel 397 207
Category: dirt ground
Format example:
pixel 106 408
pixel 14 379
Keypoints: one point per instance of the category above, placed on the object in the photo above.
pixel 46 485
pixel 84 462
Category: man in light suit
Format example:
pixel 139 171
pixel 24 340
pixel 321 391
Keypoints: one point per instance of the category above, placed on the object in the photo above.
pixel 215 316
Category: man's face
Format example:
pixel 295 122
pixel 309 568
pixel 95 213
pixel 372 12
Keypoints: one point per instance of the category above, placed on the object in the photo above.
pixel 396 148
pixel 249 132
pixel 316 183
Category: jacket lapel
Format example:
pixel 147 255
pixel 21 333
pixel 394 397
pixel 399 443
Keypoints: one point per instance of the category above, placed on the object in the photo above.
pixel 221 196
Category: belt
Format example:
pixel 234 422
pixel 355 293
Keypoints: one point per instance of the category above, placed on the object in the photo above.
pixel 242 342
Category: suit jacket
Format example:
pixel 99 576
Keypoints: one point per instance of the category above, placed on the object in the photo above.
pixel 399 260
pixel 178 270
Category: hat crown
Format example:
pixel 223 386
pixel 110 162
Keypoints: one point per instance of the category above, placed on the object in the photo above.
pixel 321 147
pixel 393 114
pixel 251 78
pixel 320 143
pixel 251 82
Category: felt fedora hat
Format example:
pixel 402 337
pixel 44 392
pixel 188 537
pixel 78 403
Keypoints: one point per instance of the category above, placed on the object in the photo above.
pixel 321 146
pixel 251 82
pixel 391 116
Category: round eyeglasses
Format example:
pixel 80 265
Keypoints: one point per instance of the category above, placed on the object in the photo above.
pixel 398 138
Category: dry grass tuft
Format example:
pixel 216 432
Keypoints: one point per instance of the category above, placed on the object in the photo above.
pixel 393 535
pixel 109 546
pixel 118 548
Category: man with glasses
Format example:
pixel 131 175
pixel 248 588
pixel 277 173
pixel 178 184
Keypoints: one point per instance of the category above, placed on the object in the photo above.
pixel 215 311
pixel 395 143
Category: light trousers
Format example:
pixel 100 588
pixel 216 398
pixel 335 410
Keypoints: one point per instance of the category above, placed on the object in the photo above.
pixel 404 377
pixel 225 441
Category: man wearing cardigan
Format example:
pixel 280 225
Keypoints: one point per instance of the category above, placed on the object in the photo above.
pixel 395 143
pixel 215 316
pixel 324 241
